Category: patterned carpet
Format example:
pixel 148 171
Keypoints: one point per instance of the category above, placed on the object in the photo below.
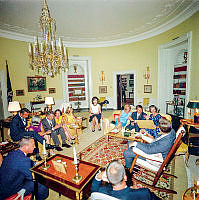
pixel 101 154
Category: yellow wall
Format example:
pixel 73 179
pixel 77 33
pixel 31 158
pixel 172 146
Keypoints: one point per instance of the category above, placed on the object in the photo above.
pixel 134 56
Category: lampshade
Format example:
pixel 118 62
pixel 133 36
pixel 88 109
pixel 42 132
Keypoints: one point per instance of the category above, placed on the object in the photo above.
pixel 49 100
pixel 14 106
pixel 193 104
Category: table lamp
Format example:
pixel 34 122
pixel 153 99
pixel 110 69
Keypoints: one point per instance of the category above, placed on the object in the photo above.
pixel 194 104
pixel 49 101
pixel 14 107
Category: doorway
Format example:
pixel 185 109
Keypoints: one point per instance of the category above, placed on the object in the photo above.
pixel 125 90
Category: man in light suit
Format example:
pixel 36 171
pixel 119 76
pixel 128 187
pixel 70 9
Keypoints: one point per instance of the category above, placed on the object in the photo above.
pixel 162 144
pixel 15 172
pixel 49 123
pixel 116 187
pixel 18 130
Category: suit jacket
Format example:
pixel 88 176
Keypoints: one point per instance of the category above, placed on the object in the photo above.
pixel 46 125
pixel 162 145
pixel 17 128
pixel 141 116
pixel 15 174
pixel 125 194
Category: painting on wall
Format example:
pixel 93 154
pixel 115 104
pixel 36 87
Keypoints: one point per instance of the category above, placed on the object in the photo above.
pixel 102 89
pixel 147 88
pixel 37 83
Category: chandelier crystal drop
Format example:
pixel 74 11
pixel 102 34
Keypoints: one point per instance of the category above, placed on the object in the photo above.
pixel 46 57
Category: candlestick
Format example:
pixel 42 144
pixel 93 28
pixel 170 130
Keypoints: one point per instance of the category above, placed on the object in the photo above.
pixel 45 166
pixel 44 147
pixel 30 49
pixel 75 156
pixel 77 178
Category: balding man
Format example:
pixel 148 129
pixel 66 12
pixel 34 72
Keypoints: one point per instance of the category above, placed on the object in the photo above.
pixel 15 174
pixel 116 177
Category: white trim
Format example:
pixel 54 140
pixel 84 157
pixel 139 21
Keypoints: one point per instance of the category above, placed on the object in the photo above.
pixel 181 17
pixel 115 86
pixel 4 93
pixel 163 54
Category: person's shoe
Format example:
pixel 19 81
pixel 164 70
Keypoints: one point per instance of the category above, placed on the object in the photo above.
pixel 49 146
pixel 66 145
pixel 99 129
pixel 58 148
pixel 129 181
pixel 124 142
pixel 38 157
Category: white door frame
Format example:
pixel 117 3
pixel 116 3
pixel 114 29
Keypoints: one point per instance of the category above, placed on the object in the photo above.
pixel 163 57
pixel 4 93
pixel 89 73
pixel 115 85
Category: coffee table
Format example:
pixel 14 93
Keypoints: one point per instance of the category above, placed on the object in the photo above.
pixel 63 183
pixel 121 135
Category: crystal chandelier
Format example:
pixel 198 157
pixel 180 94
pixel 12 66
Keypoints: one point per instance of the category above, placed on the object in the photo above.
pixel 46 57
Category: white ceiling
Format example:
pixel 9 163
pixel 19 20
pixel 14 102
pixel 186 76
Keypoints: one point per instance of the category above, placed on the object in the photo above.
pixel 95 22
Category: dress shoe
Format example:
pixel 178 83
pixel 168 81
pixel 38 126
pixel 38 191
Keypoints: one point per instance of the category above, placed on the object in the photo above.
pixel 38 157
pixel 58 148
pixel 49 146
pixel 124 142
pixel 66 145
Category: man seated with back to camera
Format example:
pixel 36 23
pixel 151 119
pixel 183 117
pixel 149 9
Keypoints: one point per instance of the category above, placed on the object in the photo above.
pixel 115 178
pixel 18 130
pixel 49 123
pixel 15 172
pixel 159 147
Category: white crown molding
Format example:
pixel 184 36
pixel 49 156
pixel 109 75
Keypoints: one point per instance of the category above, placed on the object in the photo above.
pixel 188 12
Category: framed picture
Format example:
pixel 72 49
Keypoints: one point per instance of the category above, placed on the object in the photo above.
pixel 147 88
pixel 131 83
pixel 37 83
pixel 102 89
pixel 51 90
pixel 19 92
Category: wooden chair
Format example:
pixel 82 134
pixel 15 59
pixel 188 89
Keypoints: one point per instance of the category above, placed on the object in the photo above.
pixel 20 196
pixel 147 168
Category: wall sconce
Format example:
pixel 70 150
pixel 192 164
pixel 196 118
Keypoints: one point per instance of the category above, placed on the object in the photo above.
pixel 49 101
pixel 102 76
pixel 14 107
pixel 147 74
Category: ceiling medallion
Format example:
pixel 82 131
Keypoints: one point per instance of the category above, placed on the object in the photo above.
pixel 46 57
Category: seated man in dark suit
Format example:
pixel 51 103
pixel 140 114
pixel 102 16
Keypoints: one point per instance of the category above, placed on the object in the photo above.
pixel 116 177
pixel 49 123
pixel 18 130
pixel 160 146
pixel 15 174
pixel 138 115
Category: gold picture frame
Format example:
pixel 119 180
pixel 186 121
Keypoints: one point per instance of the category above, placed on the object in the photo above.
pixel 102 89
pixel 147 88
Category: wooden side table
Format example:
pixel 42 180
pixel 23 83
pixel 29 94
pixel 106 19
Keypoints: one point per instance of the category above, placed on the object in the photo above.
pixel 76 127
pixel 189 123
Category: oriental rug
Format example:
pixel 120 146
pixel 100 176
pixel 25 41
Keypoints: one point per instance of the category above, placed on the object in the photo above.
pixel 101 154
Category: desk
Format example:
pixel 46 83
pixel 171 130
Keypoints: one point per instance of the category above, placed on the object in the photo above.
pixel 62 183
pixel 4 123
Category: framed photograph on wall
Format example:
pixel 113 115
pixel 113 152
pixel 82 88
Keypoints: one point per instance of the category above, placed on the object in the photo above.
pixel 102 89
pixel 147 88
pixel 36 83
pixel 131 83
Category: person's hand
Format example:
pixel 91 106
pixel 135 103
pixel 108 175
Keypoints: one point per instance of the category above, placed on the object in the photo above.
pixel 47 132
pixel 38 162
pixel 57 126
pixel 132 123
pixel 102 176
pixel 147 117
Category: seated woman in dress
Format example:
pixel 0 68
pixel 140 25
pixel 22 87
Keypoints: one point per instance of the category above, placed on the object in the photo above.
pixel 61 120
pixel 95 114
pixel 35 125
pixel 123 117
pixel 70 118
pixel 155 117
